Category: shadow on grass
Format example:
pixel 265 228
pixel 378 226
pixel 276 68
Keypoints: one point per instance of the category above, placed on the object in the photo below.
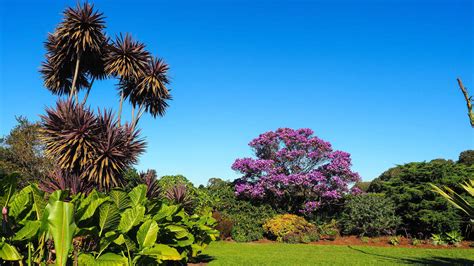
pixel 201 259
pixel 436 260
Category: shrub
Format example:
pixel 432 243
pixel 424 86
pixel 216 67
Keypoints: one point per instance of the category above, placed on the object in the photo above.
pixel 416 242
pixel 294 171
pixel 369 214
pixel 223 224
pixel 290 228
pixel 394 240
pixel 248 220
pixel 329 230
pixel 423 211
pixel 438 239
pixel 363 186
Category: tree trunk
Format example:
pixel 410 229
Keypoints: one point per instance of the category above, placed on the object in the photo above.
pixel 74 80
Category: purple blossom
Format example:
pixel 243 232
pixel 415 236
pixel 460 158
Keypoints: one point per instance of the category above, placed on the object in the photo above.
pixel 294 166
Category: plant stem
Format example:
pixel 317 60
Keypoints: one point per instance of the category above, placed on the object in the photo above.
pixel 74 80
pixel 87 93
pixel 120 108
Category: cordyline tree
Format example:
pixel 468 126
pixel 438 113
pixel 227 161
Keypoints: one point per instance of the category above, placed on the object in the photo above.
pixel 88 146
pixel 294 171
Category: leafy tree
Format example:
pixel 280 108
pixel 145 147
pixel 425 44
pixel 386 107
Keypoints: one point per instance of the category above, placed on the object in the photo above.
pixel 294 171
pixel 363 186
pixel 423 211
pixel 21 151
pixel 466 157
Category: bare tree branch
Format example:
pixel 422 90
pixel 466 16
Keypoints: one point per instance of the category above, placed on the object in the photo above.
pixel 470 113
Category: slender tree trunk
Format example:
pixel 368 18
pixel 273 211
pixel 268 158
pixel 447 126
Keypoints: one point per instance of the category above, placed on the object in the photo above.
pixel 74 80
pixel 88 91
pixel 140 112
pixel 120 107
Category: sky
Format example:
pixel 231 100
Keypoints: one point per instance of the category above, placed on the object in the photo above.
pixel 375 78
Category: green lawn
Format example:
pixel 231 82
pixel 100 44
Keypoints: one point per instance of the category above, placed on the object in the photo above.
pixel 227 253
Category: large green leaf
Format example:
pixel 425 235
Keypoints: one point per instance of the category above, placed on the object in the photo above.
pixel 62 227
pixel 130 218
pixel 109 217
pixel 111 259
pixel 162 252
pixel 27 231
pixel 179 231
pixel 9 252
pixel 20 202
pixel 120 199
pixel 89 206
pixel 124 239
pixel 138 195
pixel 39 203
pixel 165 212
pixel 108 259
pixel 147 234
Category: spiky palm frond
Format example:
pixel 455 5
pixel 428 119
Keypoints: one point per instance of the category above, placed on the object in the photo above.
pixel 118 147
pixel 58 79
pixel 81 29
pixel 151 90
pixel 62 180
pixel 79 36
pixel 179 195
pixel 457 200
pixel 149 178
pixel 126 58
pixel 69 134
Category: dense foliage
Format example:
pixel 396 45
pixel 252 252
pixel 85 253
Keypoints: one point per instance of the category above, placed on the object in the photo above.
pixel 290 228
pixel 242 218
pixel 369 215
pixel 294 171
pixel 466 157
pixel 423 211
pixel 121 228
pixel 21 151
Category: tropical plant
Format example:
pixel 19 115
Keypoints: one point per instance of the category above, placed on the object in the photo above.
pixel 93 147
pixel 457 200
pixel 294 171
pixel 180 195
pixel 438 239
pixel 290 228
pixel 120 228
pixel 369 215
pixel 62 180
pixel 423 211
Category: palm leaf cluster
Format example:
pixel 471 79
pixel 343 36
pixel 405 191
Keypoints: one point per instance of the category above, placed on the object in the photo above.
pixel 457 200
pixel 75 51
pixel 63 180
pixel 179 194
pixel 149 179
pixel 94 147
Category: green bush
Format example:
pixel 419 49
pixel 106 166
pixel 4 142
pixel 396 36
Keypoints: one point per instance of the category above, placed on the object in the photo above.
pixel 369 215
pixel 247 218
pixel 423 211
pixel 117 227
pixel 290 228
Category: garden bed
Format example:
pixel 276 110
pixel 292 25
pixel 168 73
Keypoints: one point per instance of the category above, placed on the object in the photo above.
pixel 375 242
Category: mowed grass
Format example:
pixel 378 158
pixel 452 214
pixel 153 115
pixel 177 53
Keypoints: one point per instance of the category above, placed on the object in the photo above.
pixel 228 253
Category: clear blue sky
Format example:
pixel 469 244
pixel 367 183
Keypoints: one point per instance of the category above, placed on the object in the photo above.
pixel 375 78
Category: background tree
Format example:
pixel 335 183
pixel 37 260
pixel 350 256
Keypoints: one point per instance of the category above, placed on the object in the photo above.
pixel 424 212
pixel 466 157
pixel 21 151
pixel 294 171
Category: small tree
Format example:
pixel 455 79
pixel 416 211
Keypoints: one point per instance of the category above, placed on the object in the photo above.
pixel 294 171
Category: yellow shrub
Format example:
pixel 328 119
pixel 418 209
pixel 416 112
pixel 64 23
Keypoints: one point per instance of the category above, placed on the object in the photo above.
pixel 290 228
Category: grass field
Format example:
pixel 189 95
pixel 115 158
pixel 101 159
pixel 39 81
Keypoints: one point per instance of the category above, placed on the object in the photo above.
pixel 228 253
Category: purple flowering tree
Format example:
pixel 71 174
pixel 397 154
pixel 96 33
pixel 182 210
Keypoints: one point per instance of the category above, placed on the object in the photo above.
pixel 294 171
